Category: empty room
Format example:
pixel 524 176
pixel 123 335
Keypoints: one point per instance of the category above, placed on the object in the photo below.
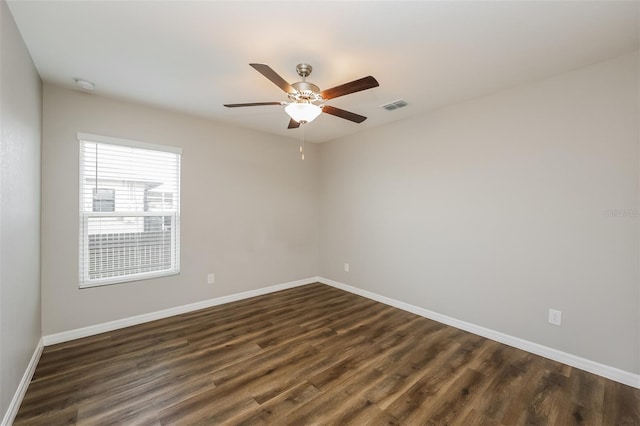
pixel 319 212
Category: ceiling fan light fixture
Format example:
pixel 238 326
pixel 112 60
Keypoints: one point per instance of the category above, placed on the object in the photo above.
pixel 303 112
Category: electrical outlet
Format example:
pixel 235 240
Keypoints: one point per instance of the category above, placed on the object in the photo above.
pixel 555 317
pixel 346 267
pixel 211 278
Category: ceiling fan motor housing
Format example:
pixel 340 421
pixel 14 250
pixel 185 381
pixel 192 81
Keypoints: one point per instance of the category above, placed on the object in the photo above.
pixel 303 86
pixel 305 92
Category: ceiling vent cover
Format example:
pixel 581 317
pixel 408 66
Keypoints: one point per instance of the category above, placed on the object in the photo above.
pixel 394 105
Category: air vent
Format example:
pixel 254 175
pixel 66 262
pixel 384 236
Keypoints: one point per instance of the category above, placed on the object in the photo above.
pixel 394 105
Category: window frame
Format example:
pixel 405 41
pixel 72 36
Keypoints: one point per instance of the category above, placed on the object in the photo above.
pixel 83 260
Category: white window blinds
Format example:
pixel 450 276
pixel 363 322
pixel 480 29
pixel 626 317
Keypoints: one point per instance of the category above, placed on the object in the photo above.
pixel 129 210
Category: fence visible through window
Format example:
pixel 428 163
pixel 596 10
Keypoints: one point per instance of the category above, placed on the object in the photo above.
pixel 112 255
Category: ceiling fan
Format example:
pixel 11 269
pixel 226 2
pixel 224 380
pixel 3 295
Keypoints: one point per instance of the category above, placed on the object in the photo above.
pixel 305 96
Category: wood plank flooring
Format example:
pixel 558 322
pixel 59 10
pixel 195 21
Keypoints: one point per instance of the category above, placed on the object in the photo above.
pixel 311 355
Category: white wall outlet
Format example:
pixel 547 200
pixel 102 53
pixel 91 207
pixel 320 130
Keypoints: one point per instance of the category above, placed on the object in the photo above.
pixel 555 317
pixel 346 267
pixel 211 278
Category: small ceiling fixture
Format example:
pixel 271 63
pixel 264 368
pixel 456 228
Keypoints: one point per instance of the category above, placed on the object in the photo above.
pixel 85 85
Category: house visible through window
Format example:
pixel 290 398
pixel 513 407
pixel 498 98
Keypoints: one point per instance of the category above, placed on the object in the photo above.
pixel 104 200
pixel 129 210
pixel 153 201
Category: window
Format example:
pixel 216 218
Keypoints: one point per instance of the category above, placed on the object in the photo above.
pixel 129 210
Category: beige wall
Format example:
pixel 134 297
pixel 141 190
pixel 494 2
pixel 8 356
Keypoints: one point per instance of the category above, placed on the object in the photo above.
pixel 20 121
pixel 494 210
pixel 249 209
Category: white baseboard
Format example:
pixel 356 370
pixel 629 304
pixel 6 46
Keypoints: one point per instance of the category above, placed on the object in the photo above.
pixel 78 333
pixel 14 405
pixel 603 370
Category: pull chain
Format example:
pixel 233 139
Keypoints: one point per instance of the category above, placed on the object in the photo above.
pixel 302 141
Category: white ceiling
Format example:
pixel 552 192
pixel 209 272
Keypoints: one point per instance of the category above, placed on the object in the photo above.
pixel 193 56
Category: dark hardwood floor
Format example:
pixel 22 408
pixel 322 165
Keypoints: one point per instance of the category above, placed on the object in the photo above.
pixel 311 355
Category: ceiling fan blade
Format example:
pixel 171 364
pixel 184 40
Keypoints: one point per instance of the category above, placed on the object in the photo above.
pixel 351 87
pixel 274 77
pixel 252 104
pixel 351 116
pixel 293 124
